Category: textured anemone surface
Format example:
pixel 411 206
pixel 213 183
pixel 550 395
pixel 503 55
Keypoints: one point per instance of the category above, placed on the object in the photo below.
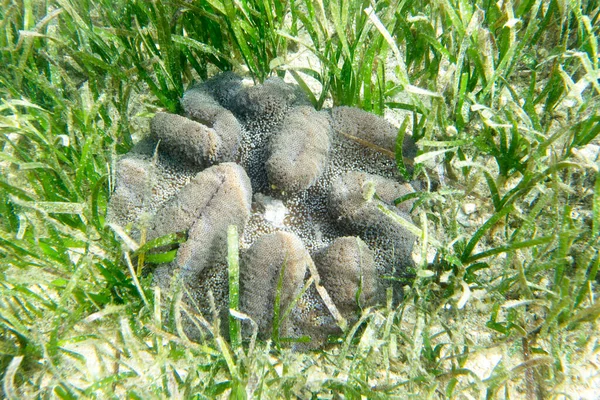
pixel 304 188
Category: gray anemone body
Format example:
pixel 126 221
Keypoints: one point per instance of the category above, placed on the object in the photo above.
pixel 299 151
pixel 279 259
pixel 297 183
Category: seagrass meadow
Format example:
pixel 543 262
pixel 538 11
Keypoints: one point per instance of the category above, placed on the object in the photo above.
pixel 502 99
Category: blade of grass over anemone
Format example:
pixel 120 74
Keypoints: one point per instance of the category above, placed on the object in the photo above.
pixel 233 266
pixel 305 88
pixel 277 311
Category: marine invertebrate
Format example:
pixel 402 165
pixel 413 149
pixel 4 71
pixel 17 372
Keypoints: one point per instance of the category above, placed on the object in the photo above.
pixel 271 255
pixel 347 269
pixel 299 151
pixel 298 183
